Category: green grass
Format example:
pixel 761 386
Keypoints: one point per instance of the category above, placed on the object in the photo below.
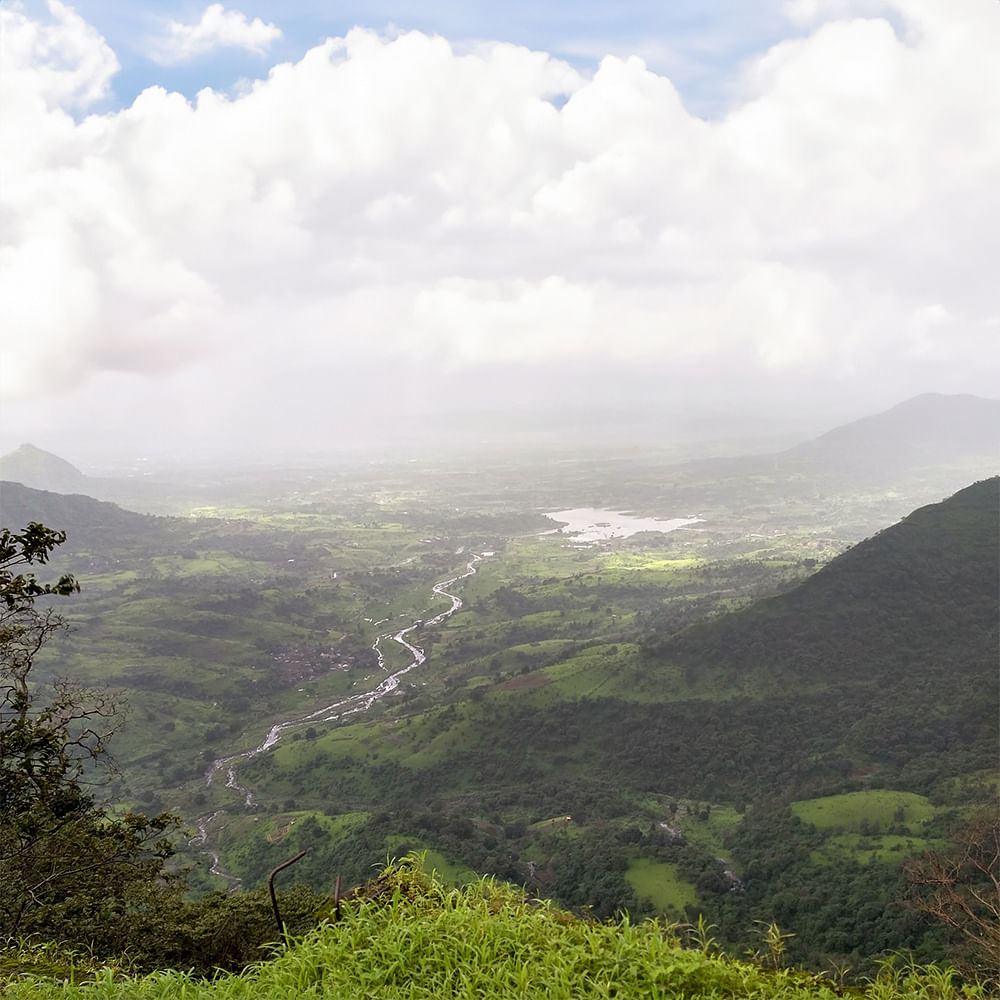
pixel 659 883
pixel 890 849
pixel 278 827
pixel 853 809
pixel 435 863
pixel 708 832
pixel 551 823
pixel 592 671
pixel 410 936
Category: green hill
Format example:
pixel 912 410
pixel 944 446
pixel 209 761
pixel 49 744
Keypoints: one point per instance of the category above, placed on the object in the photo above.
pixel 80 516
pixel 920 588
pixel 899 635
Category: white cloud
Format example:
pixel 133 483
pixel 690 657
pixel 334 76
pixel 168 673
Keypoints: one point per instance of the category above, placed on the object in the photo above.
pixel 392 204
pixel 488 322
pixel 63 63
pixel 218 28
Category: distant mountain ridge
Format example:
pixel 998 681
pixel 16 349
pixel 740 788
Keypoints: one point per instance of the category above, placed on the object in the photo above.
pixel 925 430
pixel 42 470
pixel 955 434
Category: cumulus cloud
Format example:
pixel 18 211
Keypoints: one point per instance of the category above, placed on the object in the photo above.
pixel 390 203
pixel 218 28
pixel 64 63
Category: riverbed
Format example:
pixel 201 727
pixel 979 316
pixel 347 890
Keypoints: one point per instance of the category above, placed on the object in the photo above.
pixel 343 707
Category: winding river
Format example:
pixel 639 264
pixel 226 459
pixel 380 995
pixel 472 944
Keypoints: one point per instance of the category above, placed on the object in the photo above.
pixel 329 713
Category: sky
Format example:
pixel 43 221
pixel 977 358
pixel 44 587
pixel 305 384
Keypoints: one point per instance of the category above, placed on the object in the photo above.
pixel 288 228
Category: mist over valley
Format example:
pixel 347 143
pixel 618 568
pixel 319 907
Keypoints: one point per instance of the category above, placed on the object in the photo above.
pixel 499 500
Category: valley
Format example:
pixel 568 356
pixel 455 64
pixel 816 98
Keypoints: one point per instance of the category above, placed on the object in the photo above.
pixel 741 717
pixel 354 703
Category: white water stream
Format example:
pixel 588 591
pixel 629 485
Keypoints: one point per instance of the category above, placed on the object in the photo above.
pixel 329 713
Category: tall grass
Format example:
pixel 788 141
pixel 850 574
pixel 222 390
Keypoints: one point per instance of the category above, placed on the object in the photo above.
pixel 408 936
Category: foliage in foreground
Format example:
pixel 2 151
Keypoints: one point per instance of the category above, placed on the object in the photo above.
pixel 67 865
pixel 407 935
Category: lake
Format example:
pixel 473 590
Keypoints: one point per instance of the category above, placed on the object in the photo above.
pixel 586 525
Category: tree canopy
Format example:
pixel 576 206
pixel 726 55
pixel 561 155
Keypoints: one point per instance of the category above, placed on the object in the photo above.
pixel 67 866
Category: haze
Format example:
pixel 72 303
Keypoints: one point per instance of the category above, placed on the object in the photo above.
pixel 266 231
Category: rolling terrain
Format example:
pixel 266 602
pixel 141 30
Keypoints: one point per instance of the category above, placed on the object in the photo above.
pixel 876 674
pixel 670 722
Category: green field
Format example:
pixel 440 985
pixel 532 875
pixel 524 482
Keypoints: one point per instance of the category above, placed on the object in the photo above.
pixel 864 811
pixel 659 883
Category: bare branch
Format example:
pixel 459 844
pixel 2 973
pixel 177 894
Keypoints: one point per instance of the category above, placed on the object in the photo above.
pixel 961 888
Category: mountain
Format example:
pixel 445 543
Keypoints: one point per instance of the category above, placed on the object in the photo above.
pixel 89 524
pixel 881 467
pixel 41 470
pixel 927 585
pixel 884 662
pixel 927 430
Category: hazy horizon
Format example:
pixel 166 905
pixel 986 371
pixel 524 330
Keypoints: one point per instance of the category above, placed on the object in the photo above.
pixel 278 230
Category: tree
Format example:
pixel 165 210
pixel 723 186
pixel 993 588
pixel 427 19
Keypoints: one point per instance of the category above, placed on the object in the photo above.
pixel 23 628
pixel 961 886
pixel 67 867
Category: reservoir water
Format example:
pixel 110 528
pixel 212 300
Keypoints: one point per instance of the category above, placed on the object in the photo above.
pixel 586 525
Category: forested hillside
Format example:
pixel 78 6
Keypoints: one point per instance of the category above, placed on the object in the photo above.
pixel 898 636
pixel 877 673
pixel 94 524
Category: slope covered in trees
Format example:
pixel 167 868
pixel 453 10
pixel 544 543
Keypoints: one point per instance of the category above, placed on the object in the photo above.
pixel 876 674
pixel 89 523
pixel 898 637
